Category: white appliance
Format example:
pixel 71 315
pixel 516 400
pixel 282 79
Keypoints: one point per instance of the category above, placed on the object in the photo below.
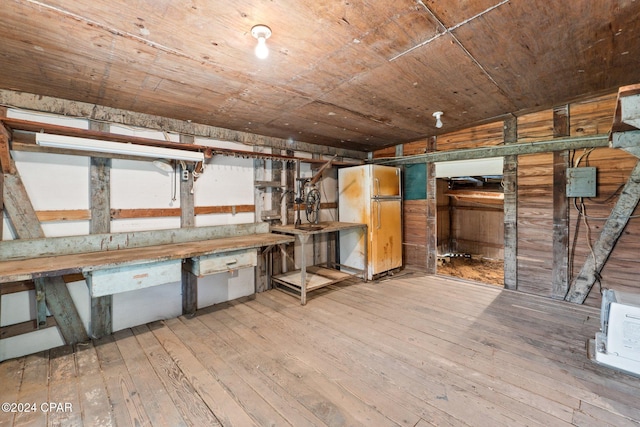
pixel 371 194
pixel 617 345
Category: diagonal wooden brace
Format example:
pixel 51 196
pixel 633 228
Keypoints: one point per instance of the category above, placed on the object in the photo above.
pixel 613 227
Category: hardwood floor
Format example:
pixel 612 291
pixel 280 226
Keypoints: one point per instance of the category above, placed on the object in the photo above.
pixel 412 351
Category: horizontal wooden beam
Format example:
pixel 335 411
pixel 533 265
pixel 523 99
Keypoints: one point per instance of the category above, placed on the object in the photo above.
pixel 64 215
pixel 169 212
pixel 25 327
pixel 472 194
pixel 24 140
pixel 130 118
pixel 51 246
pixel 557 144
pixel 85 214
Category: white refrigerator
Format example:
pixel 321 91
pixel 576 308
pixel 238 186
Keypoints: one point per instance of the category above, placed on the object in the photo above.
pixel 371 194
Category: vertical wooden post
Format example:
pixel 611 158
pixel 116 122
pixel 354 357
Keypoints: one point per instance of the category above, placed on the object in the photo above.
pixel 290 178
pixel 259 166
pixel 510 183
pixel 432 212
pixel 188 220
pixel 100 206
pixel 560 269
pixel 187 202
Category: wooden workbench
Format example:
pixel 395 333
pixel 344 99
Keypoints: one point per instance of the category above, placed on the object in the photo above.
pixel 31 268
pixel 308 278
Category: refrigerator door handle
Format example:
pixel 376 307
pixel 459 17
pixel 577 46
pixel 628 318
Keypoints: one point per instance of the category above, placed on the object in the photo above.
pixel 377 180
pixel 379 225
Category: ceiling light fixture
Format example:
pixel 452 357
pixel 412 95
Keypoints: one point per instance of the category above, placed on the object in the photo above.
pixel 437 115
pixel 262 33
pixel 110 147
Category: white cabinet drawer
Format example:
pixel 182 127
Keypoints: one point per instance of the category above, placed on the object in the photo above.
pixel 131 277
pixel 217 263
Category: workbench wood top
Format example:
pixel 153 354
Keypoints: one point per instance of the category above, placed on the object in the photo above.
pixel 30 268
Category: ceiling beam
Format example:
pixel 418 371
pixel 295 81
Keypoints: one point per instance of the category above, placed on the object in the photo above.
pixel 557 144
pixel 64 107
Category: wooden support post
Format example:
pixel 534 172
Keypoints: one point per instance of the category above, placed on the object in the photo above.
pixel 100 199
pixel 260 203
pixel 26 226
pixel 560 269
pixel 187 220
pixel 510 183
pixel 432 212
pixel 275 264
pixel 611 231
pixel 6 164
pixel 189 293
pixel 187 199
pixel 287 252
pixel 41 303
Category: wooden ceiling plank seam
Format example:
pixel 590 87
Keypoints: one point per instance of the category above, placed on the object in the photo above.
pixel 444 27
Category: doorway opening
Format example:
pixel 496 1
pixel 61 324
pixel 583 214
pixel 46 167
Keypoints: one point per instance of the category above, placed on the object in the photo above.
pixel 470 222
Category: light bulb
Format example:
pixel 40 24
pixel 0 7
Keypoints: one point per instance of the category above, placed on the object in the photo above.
pixel 437 115
pixel 262 51
pixel 261 33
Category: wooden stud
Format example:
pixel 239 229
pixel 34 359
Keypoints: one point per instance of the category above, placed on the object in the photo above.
pixel 432 212
pixel 560 268
pixel 510 182
pixel 259 173
pixel 187 200
pixel 189 293
pixel 5 155
pixel 100 208
pixel 188 220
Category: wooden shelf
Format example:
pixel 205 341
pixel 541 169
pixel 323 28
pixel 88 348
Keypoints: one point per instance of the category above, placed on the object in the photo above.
pixel 317 277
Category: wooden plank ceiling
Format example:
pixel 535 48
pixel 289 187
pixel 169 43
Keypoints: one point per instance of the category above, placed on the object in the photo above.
pixel 355 74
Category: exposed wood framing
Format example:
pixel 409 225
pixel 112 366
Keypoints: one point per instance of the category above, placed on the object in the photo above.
pixel 55 246
pixel 510 184
pixel 25 327
pixel 188 219
pixel 189 292
pixel 187 200
pixel 432 212
pixel 261 205
pixel 5 155
pixel 100 199
pixel 113 115
pixel 166 212
pixel 560 269
pixel 85 214
pixel 26 225
pixel 510 148
pixel 611 231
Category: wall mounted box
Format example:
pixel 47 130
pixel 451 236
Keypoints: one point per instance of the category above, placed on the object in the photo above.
pixel 581 182
pixel 218 263
pixel 110 281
